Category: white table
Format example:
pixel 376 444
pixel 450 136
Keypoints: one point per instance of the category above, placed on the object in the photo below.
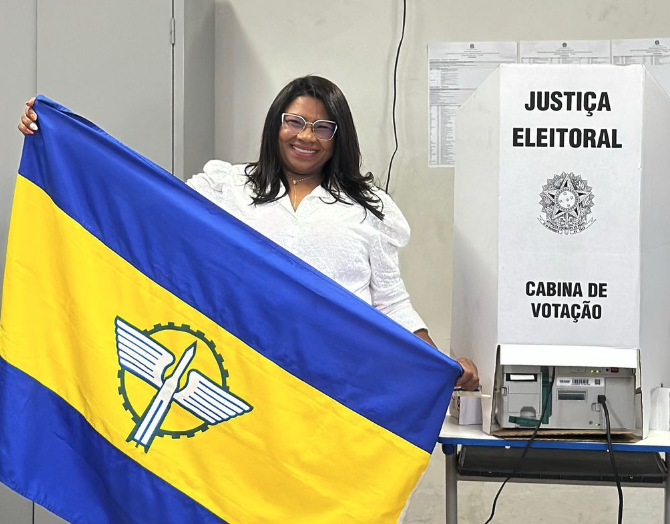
pixel 453 435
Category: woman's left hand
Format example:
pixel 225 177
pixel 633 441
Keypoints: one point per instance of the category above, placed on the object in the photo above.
pixel 469 380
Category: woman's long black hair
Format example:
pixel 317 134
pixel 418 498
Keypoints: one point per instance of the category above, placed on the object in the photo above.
pixel 341 174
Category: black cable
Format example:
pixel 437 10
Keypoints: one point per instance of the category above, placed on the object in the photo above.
pixel 602 400
pixel 395 92
pixel 526 448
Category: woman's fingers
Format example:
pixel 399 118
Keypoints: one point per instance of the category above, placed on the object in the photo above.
pixel 25 129
pixel 469 380
pixel 28 125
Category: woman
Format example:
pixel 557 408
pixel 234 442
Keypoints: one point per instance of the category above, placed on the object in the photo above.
pixel 307 194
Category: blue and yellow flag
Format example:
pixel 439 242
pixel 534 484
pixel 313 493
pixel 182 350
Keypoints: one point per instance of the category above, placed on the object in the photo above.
pixel 162 362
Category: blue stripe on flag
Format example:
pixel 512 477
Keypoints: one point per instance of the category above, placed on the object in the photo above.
pixel 49 448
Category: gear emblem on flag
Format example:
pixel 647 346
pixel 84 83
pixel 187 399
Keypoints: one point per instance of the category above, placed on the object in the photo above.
pixel 167 363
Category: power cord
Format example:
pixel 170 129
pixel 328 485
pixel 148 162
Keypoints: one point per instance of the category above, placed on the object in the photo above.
pixel 395 92
pixel 527 447
pixel 602 400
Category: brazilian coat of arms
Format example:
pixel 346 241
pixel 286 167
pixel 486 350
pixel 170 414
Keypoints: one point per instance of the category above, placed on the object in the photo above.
pixel 566 201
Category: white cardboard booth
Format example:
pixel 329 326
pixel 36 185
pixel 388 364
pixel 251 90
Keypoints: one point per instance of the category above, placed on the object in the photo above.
pixel 562 242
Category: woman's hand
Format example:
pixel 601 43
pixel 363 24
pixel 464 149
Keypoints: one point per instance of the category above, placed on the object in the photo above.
pixel 27 126
pixel 469 380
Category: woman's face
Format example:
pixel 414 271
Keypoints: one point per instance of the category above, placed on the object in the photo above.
pixel 304 154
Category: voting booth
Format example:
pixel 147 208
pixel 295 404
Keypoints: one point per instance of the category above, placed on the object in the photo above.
pixel 562 245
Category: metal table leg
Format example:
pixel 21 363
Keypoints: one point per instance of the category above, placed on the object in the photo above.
pixel 451 482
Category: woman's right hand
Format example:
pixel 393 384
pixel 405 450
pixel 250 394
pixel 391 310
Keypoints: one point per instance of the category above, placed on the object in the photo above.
pixel 27 126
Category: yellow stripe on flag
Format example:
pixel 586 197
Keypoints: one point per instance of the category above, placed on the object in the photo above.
pixel 281 462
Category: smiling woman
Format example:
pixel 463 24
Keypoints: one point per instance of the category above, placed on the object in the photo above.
pixel 306 193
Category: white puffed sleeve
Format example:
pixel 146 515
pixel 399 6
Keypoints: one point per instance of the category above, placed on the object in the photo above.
pixel 387 289
pixel 212 181
pixel 222 183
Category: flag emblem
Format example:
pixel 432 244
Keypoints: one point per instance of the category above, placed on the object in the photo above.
pixel 153 376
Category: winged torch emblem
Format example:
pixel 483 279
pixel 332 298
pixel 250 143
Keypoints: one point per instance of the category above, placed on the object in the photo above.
pixel 145 358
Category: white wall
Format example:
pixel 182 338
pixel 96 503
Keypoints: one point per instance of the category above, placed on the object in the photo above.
pixel 262 44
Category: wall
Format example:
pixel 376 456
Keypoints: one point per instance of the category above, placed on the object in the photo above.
pixel 17 70
pixel 262 45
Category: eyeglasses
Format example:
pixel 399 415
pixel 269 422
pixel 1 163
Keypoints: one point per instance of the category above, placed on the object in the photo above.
pixel 295 124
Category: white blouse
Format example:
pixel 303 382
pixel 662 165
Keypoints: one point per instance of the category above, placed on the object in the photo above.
pixel 354 248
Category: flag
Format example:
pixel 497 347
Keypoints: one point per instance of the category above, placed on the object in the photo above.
pixel 162 362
